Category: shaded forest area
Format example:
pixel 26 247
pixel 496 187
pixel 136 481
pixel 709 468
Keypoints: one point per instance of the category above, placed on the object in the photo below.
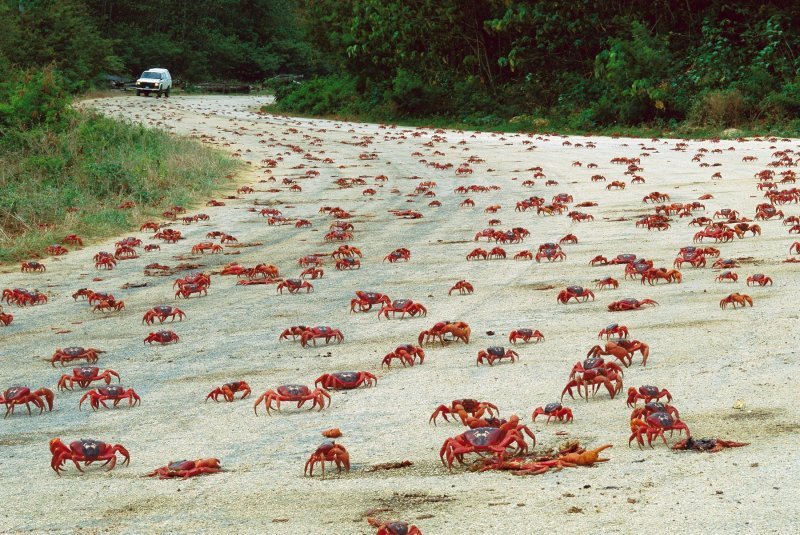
pixel 581 64
pixel 198 40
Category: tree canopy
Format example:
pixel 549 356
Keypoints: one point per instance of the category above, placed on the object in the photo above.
pixel 593 63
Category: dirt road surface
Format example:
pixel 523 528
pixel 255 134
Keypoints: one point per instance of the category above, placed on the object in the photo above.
pixel 710 359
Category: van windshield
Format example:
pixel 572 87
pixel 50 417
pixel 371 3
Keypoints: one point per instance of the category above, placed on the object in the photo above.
pixel 151 75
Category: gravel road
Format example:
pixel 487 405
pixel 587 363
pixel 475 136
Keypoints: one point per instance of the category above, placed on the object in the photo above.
pixel 711 360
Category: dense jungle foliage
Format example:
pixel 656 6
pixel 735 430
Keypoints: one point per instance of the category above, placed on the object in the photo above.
pixel 578 63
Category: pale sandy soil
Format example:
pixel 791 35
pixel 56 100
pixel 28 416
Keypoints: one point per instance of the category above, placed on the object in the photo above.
pixel 708 358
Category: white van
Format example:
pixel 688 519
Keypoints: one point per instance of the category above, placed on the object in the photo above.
pixel 156 81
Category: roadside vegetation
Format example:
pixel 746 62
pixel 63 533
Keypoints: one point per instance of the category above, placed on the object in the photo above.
pixel 64 171
pixel 641 67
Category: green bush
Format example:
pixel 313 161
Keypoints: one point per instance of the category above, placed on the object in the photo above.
pixel 326 95
pixel 723 109
pixel 33 98
pixel 780 106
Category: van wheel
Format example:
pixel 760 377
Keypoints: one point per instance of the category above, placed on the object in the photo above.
pixel 158 94
pixel 166 93
pixel 138 93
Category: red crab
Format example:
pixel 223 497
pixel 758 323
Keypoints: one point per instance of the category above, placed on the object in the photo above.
pixel 201 279
pixel 364 301
pixel 85 451
pixel 727 276
pixel 630 304
pixel 109 305
pixel 478 253
pixel 310 260
pixel 398 255
pixel 84 376
pixel 393 528
pixel 594 372
pixel 348 263
pixel 552 254
pixel 125 252
pixel 690 255
pixel 346 251
pixel 312 273
pixel 404 306
pixel 458 329
pixel 622 350
pixel 553 410
pixel 187 469
pixel 569 238
pixel 653 407
pixel 22 395
pixel 168 235
pixel 646 393
pixel 497 253
pixel 490 440
pixel 338 235
pixel 115 393
pixel 68 354
pixel 55 250
pixel 162 337
pixel 5 319
pixel 295 285
pixel 654 426
pixel 711 445
pixel 406 354
pixel 22 297
pixel 72 239
pixel 493 353
pixel 345 380
pixel 464 409
pixel 32 266
pixel 228 391
pixel 104 260
pixel 161 313
pixel 463 287
pixel 725 263
pixel 186 290
pixel 735 299
pixel 638 268
pixel 760 279
pixel 298 393
pixel 328 451
pixel 294 332
pixel 525 335
pixel 615 329
pixel 202 247
pixel 574 292
pixel 96 297
pixel 312 334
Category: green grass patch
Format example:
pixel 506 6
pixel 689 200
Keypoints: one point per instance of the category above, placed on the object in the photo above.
pixel 59 181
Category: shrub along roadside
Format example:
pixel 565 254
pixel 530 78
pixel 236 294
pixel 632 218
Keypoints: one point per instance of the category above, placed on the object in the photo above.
pixel 69 178
pixel 710 113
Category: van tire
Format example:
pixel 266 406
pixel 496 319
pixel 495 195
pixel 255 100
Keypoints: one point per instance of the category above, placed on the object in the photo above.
pixel 166 93
pixel 158 94
pixel 138 93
